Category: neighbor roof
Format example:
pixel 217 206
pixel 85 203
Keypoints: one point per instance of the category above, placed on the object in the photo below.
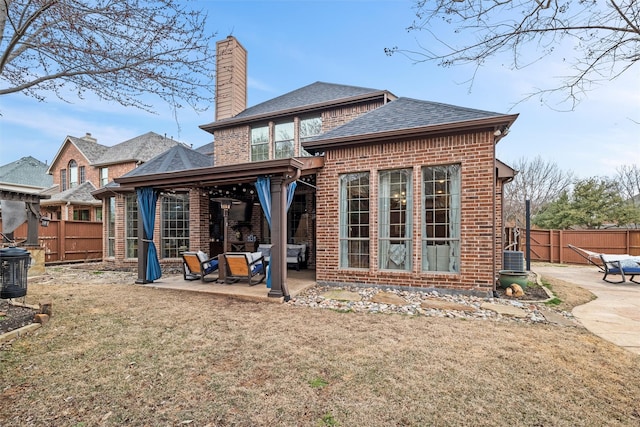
pixel 88 146
pixel 310 97
pixel 26 171
pixel 80 194
pixel 139 149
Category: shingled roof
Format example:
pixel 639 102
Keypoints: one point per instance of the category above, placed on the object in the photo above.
pixel 175 159
pixel 139 149
pixel 89 148
pixel 309 97
pixel 406 115
pixel 26 171
pixel 80 194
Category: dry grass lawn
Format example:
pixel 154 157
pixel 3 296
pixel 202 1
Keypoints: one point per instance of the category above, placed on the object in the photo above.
pixel 117 354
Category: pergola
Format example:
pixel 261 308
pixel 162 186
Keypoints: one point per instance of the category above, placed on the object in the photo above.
pixel 281 172
pixel 32 204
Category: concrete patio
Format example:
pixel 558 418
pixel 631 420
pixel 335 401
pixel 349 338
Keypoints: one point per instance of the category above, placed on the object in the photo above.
pixel 614 315
pixel 297 281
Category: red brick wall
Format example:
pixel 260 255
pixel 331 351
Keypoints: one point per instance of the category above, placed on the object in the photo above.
pixel 70 152
pixel 232 145
pixel 474 152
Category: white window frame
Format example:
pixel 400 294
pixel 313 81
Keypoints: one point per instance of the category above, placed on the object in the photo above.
pixel 441 222
pixel 355 227
pixel 395 219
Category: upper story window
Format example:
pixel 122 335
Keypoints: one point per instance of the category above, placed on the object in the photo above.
pixel 259 143
pixel 83 174
pixel 309 127
pixel 286 138
pixel 63 179
pixel 283 140
pixel 104 176
pixel 73 174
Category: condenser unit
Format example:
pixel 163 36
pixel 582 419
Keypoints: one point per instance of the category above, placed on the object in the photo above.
pixel 513 260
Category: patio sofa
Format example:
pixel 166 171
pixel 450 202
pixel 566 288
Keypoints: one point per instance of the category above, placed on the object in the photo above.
pixel 297 254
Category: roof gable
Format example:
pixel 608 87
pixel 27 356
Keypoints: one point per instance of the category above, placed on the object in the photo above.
pixel 139 149
pixel 89 148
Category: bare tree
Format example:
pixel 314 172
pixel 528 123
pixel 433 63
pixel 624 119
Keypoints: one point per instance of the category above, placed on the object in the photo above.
pixel 605 36
pixel 539 181
pixel 121 50
pixel 628 179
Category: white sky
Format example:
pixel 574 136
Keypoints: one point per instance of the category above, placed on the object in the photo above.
pixel 291 44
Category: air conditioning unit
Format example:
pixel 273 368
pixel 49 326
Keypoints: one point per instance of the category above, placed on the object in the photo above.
pixel 513 260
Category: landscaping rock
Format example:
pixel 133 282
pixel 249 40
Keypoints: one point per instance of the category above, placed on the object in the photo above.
pixel 388 298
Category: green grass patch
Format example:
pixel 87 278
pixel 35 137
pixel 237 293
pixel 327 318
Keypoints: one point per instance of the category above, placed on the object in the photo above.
pixel 318 382
pixel 328 420
pixel 554 302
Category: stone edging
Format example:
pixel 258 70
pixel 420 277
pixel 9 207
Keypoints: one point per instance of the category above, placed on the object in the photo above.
pixel 16 333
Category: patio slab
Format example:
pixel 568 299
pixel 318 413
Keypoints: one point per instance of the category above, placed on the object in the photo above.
pixel 297 282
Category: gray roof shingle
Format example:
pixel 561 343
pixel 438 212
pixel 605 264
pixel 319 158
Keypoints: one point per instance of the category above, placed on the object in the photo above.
pixel 141 148
pixel 176 159
pixel 26 171
pixel 79 194
pixel 405 113
pixel 90 149
pixel 313 94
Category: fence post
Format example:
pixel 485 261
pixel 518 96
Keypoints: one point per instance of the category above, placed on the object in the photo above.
pixel 62 241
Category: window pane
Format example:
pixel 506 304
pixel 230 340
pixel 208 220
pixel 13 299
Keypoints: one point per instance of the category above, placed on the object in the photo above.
pixel 73 174
pixel 309 127
pixel 441 218
pixel 395 200
pixel 131 226
pixel 175 225
pixel 354 220
pixel 259 143
pixel 111 227
pixel 284 140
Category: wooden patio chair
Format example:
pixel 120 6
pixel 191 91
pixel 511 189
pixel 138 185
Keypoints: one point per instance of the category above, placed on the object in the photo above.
pixel 245 265
pixel 197 265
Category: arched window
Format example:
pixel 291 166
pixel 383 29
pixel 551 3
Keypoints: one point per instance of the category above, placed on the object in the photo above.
pixel 73 174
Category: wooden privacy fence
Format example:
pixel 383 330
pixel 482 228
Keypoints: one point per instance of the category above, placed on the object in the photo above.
pixel 553 245
pixel 65 241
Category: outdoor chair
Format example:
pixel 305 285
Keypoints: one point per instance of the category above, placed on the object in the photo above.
pixel 623 265
pixel 245 265
pixel 197 265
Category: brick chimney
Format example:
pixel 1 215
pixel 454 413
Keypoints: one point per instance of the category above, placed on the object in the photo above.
pixel 231 78
pixel 89 138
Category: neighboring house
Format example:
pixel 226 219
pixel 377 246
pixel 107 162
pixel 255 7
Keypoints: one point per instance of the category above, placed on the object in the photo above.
pixel 82 165
pixel 390 191
pixel 26 174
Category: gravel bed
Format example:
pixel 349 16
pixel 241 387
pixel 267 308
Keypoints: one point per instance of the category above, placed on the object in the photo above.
pixel 314 298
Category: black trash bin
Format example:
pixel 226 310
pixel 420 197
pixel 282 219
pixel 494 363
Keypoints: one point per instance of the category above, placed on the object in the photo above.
pixel 14 267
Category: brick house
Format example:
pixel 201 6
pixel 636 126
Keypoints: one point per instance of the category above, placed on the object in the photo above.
pixel 390 191
pixel 82 165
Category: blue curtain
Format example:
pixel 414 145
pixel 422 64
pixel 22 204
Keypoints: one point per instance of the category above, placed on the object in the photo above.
pixel 263 187
pixel 147 199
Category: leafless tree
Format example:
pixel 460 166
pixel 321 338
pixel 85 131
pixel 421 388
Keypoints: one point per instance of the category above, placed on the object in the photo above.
pixel 628 179
pixel 121 50
pixel 605 36
pixel 539 181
